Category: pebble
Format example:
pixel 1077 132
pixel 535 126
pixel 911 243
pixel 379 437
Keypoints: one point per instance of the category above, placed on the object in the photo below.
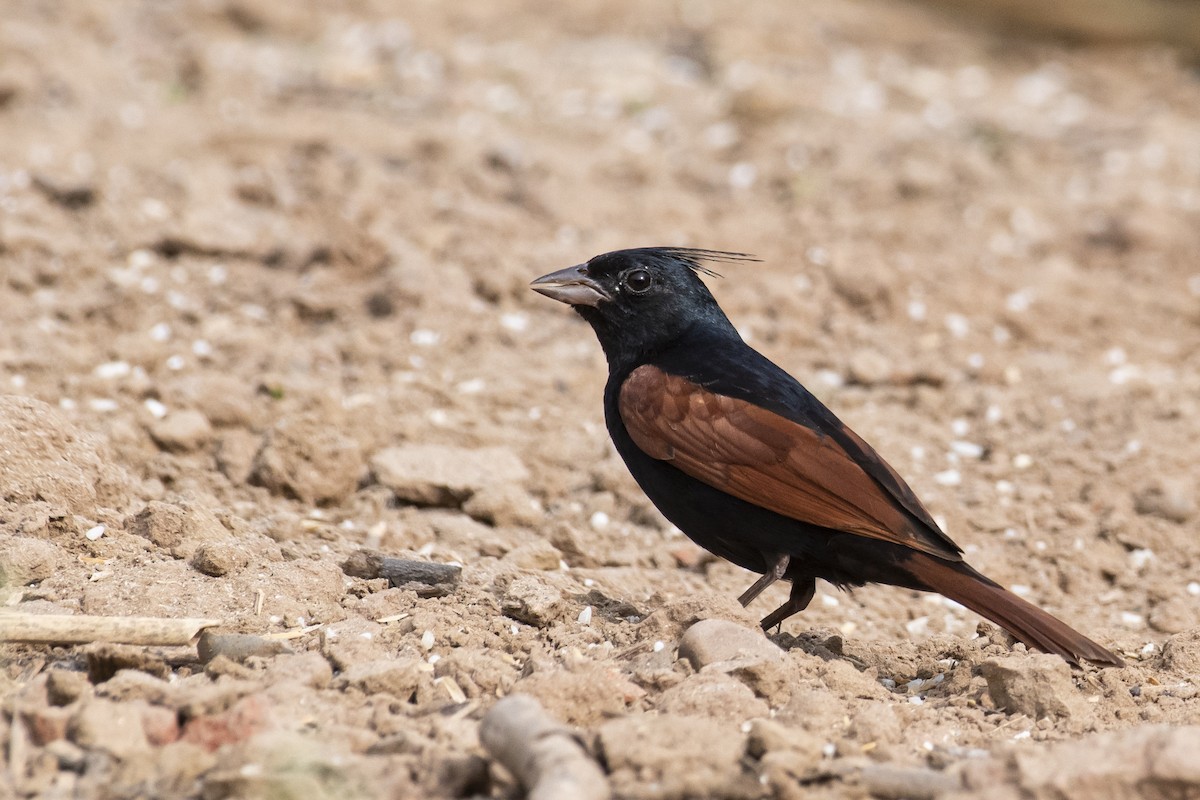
pixel 237 646
pixel 869 368
pixel 182 431
pixel 504 504
pixel 1169 498
pixel 219 558
pixel 1173 615
pixel 444 475
pixel 181 529
pixel 535 554
pixel 1037 685
pixel 25 559
pixel 306 457
pixel 532 601
pixel 713 641
pixel 1181 653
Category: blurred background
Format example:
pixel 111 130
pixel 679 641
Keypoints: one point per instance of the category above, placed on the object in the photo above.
pixel 247 247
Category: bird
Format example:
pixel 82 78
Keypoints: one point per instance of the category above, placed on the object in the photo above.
pixel 750 465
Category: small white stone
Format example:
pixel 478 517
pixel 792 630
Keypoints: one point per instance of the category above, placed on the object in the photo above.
pixel 112 369
pixel 516 321
pixel 1124 374
pixel 742 175
pixel 659 646
pixel 1139 558
pixel 948 477
pixel 916 700
pixel 202 348
pixel 1018 301
pixel 160 332
pixel 176 362
pixel 960 427
pixel 958 325
pixel 1020 590
pixel 585 616
pixel 157 409
pixel 599 521
pixel 102 404
pixel 141 259
pixel 967 449
pixel 94 533
pixel 829 601
pixel 423 337
pixel 1132 620
pixel 917 626
pixel 916 310
pixel 1193 588
pixel 830 378
pixel 1022 461
pixel 427 640
pixel 472 386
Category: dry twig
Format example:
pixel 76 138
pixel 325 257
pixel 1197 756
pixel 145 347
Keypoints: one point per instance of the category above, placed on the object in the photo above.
pixel 543 754
pixel 81 629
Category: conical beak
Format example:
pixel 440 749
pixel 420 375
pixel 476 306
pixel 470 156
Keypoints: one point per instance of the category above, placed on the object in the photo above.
pixel 572 286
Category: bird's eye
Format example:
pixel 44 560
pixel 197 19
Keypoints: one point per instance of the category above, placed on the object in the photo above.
pixel 638 281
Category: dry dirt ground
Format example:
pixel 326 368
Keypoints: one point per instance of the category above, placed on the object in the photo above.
pixel 263 280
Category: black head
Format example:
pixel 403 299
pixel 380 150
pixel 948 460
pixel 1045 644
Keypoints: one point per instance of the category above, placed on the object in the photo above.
pixel 641 300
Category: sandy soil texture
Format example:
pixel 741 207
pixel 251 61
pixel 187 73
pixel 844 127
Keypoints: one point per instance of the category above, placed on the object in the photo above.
pixel 263 280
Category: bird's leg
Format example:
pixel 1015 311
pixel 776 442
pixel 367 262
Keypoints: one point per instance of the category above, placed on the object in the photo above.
pixel 771 575
pixel 803 589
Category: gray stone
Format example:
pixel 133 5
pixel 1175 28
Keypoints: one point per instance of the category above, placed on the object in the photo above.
pixel 25 560
pixel 713 641
pixel 181 529
pixel 305 457
pixel 533 601
pixel 442 475
pixel 1037 685
pixel 1170 498
pixel 182 431
pixel 219 558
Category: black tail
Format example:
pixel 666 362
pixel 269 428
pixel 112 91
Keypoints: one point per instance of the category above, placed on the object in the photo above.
pixel 1025 621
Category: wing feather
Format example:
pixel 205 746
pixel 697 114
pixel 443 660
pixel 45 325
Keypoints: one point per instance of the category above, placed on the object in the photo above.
pixel 774 462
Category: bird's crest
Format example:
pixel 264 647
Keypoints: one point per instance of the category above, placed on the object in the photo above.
pixel 693 258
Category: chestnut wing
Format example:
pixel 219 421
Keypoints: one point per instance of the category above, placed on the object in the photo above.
pixel 771 461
